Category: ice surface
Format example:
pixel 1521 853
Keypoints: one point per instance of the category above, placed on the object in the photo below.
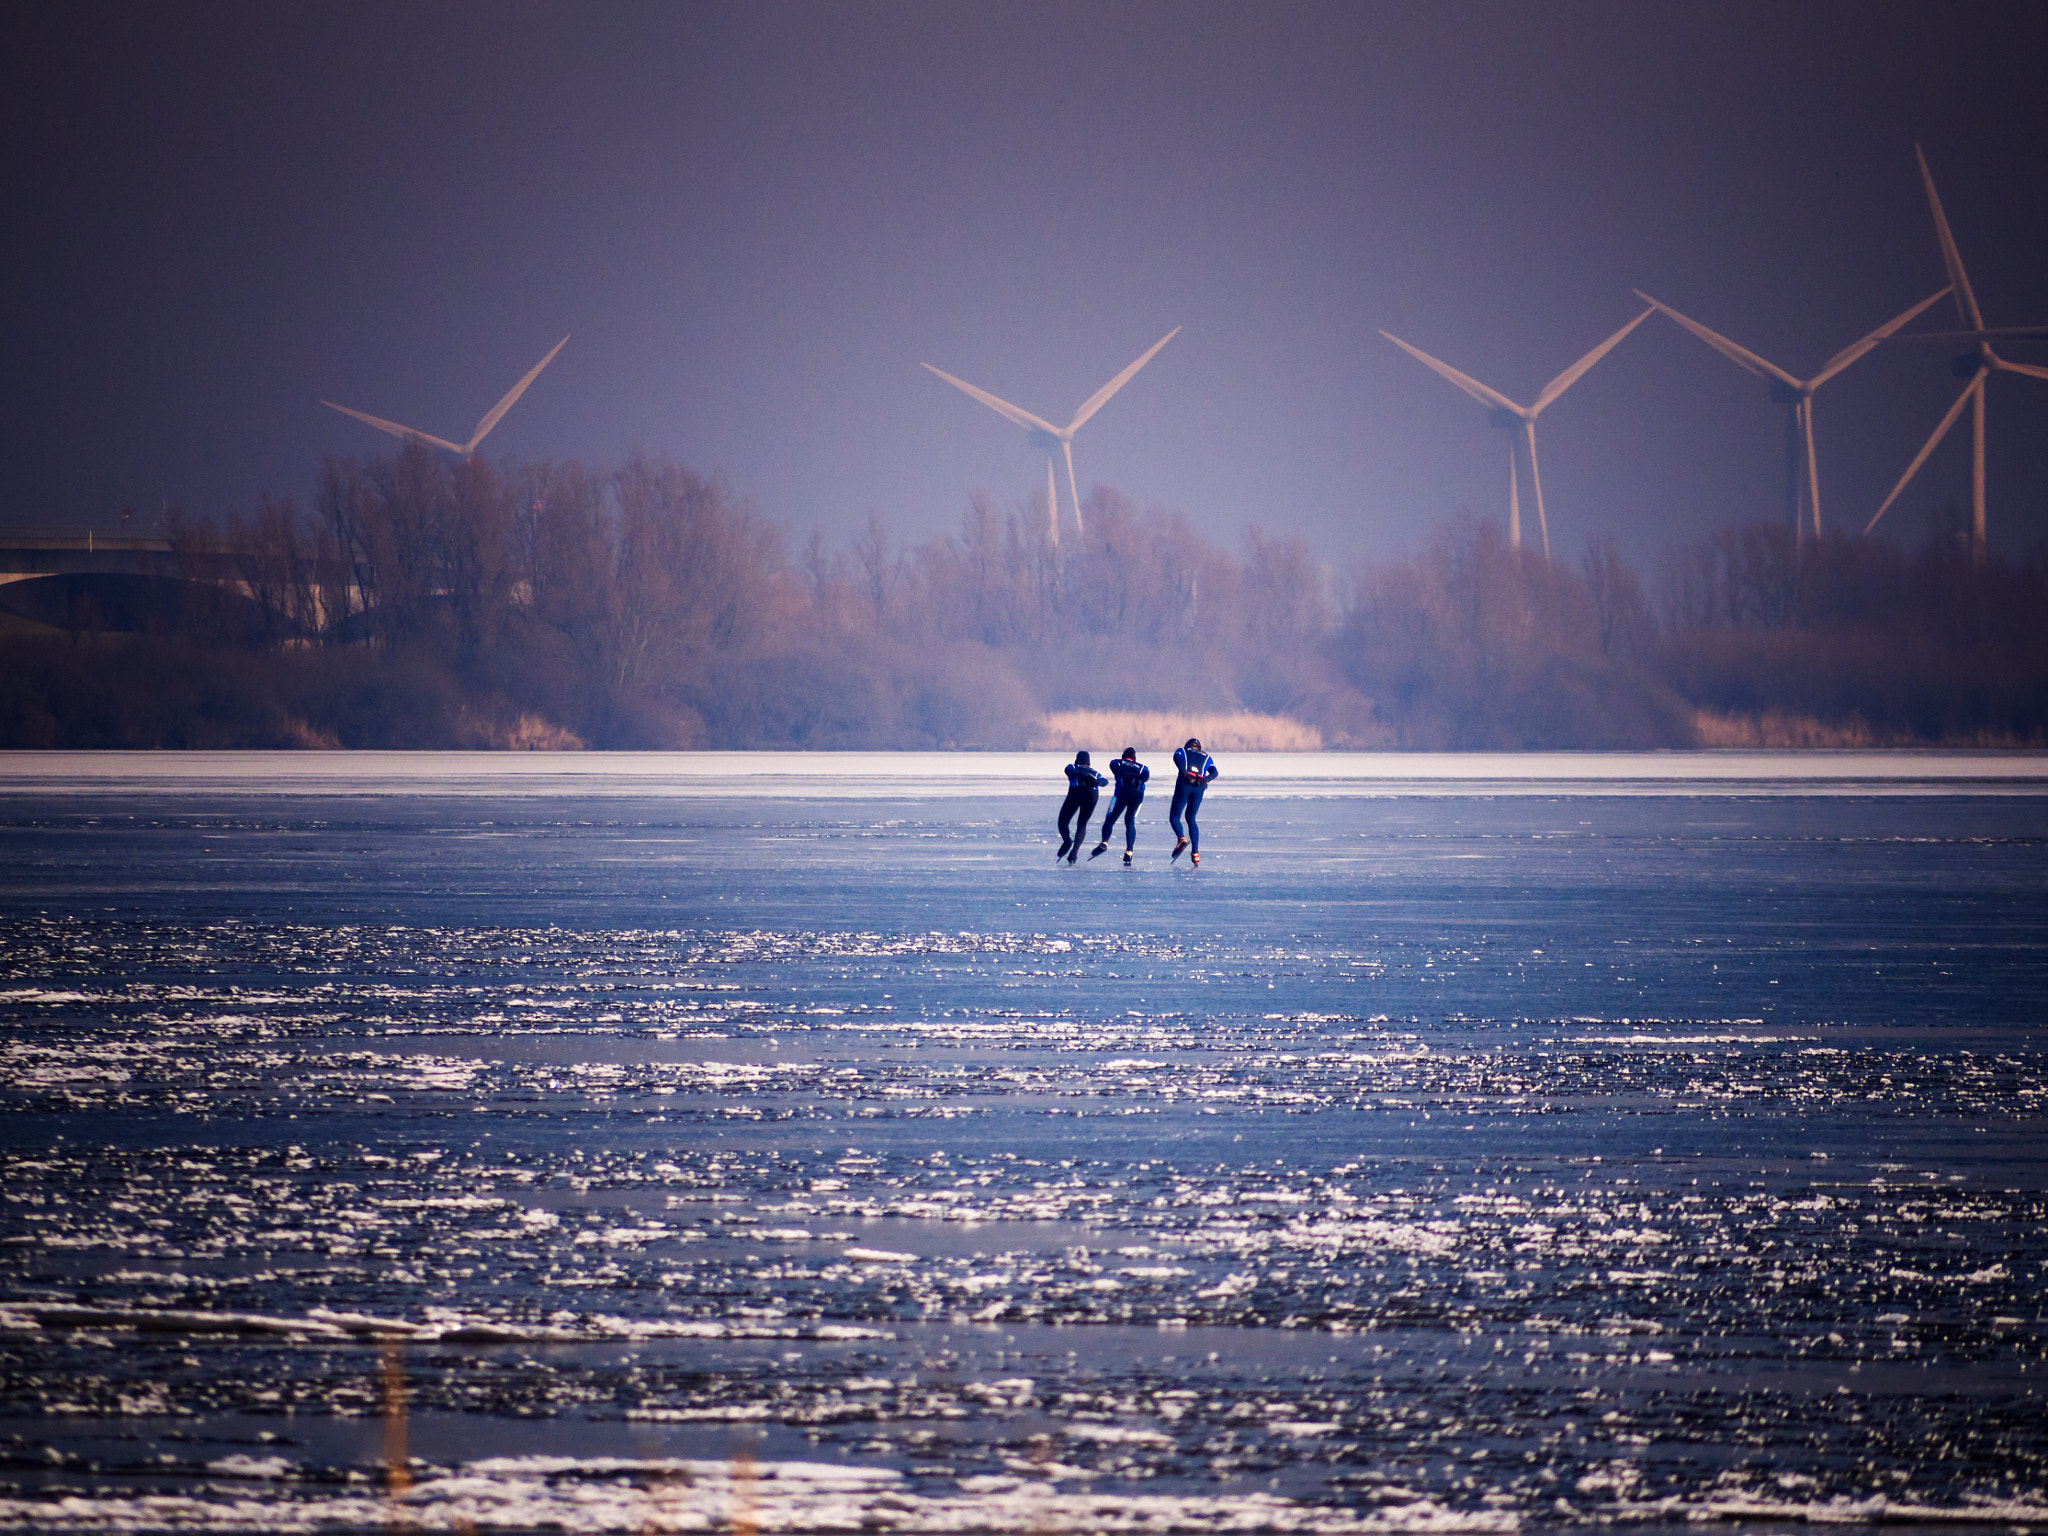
pixel 1466 1160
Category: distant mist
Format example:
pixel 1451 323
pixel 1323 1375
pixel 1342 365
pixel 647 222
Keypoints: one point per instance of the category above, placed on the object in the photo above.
pixel 429 603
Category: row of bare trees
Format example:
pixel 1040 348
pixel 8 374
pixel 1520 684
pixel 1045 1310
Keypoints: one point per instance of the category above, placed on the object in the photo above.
pixel 1139 576
pixel 648 606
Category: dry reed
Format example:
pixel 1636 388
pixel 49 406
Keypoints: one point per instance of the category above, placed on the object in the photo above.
pixel 1777 728
pixel 1111 730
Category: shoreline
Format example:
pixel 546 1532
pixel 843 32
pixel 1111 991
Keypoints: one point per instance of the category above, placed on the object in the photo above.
pixel 914 775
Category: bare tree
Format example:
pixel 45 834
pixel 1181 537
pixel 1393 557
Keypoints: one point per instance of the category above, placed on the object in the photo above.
pixel 879 571
pixel 1619 606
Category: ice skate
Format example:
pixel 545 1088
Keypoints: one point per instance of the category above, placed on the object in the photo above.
pixel 1178 849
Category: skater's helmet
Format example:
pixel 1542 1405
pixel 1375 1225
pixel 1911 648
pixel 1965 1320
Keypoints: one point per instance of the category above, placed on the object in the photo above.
pixel 1080 759
pixel 1130 754
pixel 1193 744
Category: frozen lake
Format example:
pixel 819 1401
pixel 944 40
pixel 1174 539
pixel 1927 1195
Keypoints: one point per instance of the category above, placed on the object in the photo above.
pixel 724 1142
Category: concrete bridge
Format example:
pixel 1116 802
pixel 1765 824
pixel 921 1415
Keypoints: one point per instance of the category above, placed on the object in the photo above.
pixel 28 553
pixel 84 580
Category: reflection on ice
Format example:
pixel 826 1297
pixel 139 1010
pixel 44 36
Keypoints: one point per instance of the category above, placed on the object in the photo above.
pixel 1667 1164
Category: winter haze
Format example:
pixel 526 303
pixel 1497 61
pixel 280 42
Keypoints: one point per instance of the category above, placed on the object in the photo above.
pixel 755 221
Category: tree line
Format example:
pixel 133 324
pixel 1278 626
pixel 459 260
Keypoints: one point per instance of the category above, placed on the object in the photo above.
pixel 421 602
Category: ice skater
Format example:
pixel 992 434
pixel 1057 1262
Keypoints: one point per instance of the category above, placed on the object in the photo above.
pixel 1194 769
pixel 1084 789
pixel 1130 794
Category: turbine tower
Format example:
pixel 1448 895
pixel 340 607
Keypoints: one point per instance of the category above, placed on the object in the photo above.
pixel 1505 413
pixel 1802 477
pixel 483 428
pixel 1975 366
pixel 1043 434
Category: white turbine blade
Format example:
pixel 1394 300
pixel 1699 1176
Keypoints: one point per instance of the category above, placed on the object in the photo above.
pixel 1572 375
pixel 496 412
pixel 1742 356
pixel 1921 457
pixel 1021 417
pixel 2032 370
pixel 1072 486
pixel 1536 479
pixel 1966 301
pixel 1848 355
pixel 1466 382
pixel 410 434
pixel 1052 502
pixel 1100 398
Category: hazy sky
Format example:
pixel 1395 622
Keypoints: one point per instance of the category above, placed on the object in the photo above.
pixel 756 220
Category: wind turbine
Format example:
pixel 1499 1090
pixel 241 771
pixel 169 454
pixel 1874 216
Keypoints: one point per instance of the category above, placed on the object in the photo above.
pixel 1505 413
pixel 483 428
pixel 1802 477
pixel 1043 434
pixel 1975 366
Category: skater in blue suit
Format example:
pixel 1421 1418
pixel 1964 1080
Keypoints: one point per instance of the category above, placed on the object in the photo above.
pixel 1130 794
pixel 1193 769
pixel 1084 789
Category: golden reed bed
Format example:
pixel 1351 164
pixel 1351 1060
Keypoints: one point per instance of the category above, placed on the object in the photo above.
pixel 1106 732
